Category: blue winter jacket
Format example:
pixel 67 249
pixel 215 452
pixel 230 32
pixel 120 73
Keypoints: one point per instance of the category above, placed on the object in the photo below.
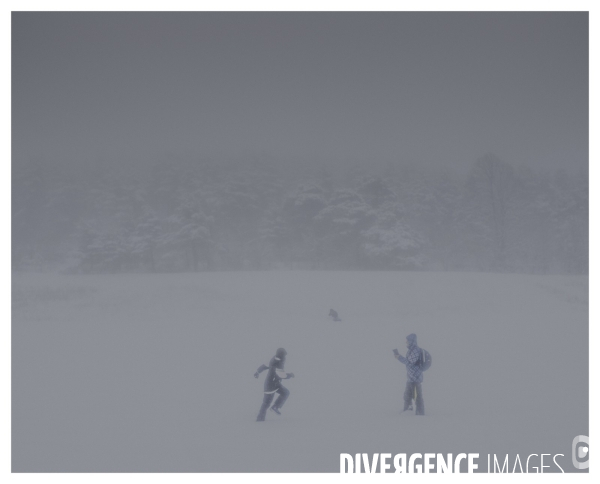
pixel 412 359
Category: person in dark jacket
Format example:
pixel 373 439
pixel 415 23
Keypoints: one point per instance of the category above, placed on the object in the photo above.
pixel 414 374
pixel 273 384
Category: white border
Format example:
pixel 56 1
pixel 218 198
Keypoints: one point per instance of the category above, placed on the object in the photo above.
pixel 290 5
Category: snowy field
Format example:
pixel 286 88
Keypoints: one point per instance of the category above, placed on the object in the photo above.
pixel 150 373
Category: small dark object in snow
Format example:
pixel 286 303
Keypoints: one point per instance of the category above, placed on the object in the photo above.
pixel 334 315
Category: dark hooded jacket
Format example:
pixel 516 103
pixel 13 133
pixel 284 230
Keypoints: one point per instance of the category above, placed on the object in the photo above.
pixel 275 373
pixel 412 360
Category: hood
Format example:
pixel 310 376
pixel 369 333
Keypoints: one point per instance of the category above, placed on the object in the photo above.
pixel 412 340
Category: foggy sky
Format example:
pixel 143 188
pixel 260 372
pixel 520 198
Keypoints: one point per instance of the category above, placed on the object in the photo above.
pixel 302 87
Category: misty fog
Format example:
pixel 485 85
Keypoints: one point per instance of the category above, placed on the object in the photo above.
pixel 176 142
pixel 179 216
pixel 192 191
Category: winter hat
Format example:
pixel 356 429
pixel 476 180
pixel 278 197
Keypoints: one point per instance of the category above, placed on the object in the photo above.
pixel 280 353
pixel 412 339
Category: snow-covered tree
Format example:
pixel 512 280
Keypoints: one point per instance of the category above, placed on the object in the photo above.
pixel 391 244
pixel 489 189
pixel 339 226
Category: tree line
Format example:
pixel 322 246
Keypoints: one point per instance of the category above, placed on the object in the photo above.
pixel 177 216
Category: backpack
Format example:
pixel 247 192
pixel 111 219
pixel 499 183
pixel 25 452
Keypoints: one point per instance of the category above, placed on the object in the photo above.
pixel 424 360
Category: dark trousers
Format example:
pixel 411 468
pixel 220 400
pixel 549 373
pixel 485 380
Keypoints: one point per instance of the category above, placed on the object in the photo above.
pixel 414 390
pixel 283 392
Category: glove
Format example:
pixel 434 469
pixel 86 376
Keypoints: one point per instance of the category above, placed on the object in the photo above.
pixel 290 375
pixel 256 375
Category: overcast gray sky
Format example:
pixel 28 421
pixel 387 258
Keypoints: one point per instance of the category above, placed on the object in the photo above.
pixel 332 87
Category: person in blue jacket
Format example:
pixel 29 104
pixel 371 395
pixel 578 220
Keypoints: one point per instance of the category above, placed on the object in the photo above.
pixel 414 374
pixel 273 384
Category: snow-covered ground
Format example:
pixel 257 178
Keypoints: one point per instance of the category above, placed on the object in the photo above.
pixel 154 373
